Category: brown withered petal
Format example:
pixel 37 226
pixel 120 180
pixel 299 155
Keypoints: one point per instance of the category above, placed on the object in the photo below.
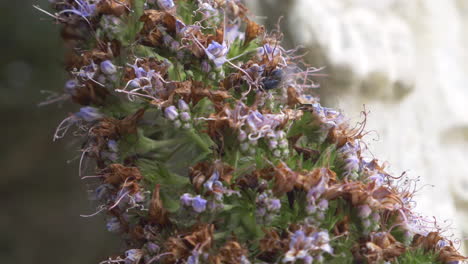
pixel 202 237
pixel 157 213
pixel 199 174
pixel 117 174
pixel 284 179
pixel 309 179
pixel 90 93
pixel 153 21
pixel 112 7
pixel 230 253
pixel 128 125
pixel 253 31
pixel 429 243
pixel 272 242
pixel 178 250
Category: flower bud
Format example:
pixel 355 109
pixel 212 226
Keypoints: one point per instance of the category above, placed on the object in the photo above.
pixel 171 112
pixel 364 211
pixel 185 116
pixel 242 136
pixel 183 106
pixel 89 114
pixel 283 143
pixel 166 4
pixel 70 86
pixel 272 144
pixel 277 153
pixel 186 199
pixel 113 225
pixel 107 67
pixel 152 248
pixel 205 66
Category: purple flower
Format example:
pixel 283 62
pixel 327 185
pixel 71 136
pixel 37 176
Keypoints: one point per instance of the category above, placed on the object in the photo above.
pixel 84 9
pixel 133 255
pixel 113 225
pixel 166 4
pixel 183 106
pixel 186 199
pixel 199 204
pixel 364 211
pixel 107 67
pixel 89 114
pixel 185 116
pixel 268 51
pixel 217 53
pixel 70 86
pixel 112 145
pixel 171 113
pixel 205 66
pixel 152 248
pixel 233 33
pixel 274 205
pixel 323 204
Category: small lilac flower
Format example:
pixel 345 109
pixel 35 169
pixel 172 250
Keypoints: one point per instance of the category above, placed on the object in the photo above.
pixel 323 204
pixel 274 205
pixel 205 66
pixel 186 199
pixel 199 204
pixel 242 136
pixel 133 255
pixel 183 106
pixel 166 4
pixel 89 114
pixel 70 86
pixel 102 192
pixel 112 145
pixel 185 116
pixel 217 53
pixel 283 143
pixel 107 67
pixel 272 144
pixel 171 113
pixel 139 197
pixel 113 225
pixel 233 33
pixel 174 46
pixel 152 248
pixel 84 9
pixel 177 124
pixel 268 51
pixel 364 211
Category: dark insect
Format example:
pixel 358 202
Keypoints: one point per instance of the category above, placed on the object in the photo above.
pixel 273 80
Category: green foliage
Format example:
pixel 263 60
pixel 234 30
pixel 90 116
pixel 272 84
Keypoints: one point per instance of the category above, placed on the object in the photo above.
pixel 418 256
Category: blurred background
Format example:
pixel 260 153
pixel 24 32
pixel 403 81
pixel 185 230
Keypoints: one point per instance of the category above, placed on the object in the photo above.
pixel 404 60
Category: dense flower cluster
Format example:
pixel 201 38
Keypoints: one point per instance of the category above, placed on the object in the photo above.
pixel 206 144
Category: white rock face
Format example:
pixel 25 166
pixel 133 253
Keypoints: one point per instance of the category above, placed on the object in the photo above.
pixel 407 62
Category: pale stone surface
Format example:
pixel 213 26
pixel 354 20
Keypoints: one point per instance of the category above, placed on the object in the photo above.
pixel 406 61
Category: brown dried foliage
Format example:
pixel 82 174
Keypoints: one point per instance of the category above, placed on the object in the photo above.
pixel 429 243
pixel 157 213
pixel 154 21
pixel 381 246
pixel 230 253
pixel 122 177
pixel 202 171
pixel 253 31
pixel 181 246
pixel 113 7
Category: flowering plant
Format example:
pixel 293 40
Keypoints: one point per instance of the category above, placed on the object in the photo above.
pixel 206 144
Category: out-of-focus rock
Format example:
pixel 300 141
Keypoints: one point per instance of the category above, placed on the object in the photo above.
pixel 406 61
